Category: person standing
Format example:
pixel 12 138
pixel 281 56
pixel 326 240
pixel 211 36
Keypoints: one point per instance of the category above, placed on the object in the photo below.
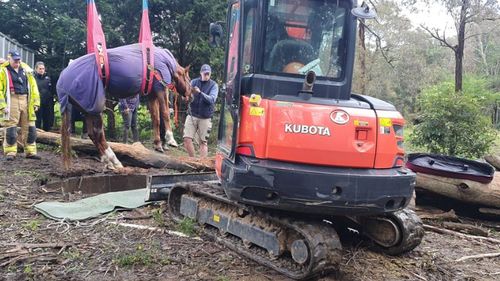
pixel 44 116
pixel 128 107
pixel 201 110
pixel 19 100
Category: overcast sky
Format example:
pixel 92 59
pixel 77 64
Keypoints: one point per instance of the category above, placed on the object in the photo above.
pixel 432 16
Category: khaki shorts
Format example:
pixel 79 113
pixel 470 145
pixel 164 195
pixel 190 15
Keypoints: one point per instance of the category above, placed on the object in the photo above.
pixel 197 129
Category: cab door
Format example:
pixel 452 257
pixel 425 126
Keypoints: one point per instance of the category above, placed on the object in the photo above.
pixel 229 118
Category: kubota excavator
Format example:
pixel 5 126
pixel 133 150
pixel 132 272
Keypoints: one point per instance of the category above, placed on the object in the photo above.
pixel 299 155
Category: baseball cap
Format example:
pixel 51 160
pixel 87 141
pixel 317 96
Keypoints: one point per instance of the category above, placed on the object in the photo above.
pixel 14 55
pixel 205 68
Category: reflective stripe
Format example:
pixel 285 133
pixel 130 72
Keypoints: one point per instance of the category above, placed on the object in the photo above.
pixel 10 149
pixel 30 149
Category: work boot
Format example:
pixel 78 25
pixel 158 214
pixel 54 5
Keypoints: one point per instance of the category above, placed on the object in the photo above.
pixel 33 156
pixel 10 157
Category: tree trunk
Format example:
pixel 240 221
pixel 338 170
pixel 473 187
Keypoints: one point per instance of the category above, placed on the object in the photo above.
pixel 362 57
pixel 466 191
pixel 133 155
pixel 459 50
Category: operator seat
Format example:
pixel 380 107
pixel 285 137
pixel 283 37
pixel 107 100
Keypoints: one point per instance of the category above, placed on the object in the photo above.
pixel 290 51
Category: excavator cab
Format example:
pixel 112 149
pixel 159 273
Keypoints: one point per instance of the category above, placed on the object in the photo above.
pixel 292 136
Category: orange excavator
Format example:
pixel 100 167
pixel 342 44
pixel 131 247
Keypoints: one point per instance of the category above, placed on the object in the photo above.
pixel 300 157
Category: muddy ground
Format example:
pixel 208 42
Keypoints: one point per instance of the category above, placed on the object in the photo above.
pixel 100 250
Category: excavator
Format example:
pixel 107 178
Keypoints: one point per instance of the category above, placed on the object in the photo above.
pixel 300 157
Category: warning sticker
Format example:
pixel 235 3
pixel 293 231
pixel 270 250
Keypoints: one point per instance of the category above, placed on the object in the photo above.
pixel 385 122
pixel 216 218
pixel 256 111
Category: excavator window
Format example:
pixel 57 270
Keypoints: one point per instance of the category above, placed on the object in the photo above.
pixel 305 35
pixel 248 42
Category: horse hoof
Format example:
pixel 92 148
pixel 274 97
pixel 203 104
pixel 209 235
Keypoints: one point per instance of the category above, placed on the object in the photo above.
pixel 165 147
pixel 173 143
pixel 159 149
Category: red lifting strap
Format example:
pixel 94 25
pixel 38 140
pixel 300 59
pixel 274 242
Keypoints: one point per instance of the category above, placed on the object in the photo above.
pixel 97 41
pixel 146 40
pixel 11 84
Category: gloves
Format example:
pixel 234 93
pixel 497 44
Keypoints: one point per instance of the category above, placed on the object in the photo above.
pixel 36 108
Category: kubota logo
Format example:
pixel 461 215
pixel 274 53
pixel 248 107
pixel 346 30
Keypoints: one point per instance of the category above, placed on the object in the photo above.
pixel 305 129
pixel 340 117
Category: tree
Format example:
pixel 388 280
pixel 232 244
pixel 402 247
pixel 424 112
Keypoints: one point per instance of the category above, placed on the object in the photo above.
pixel 56 30
pixel 453 123
pixel 464 13
pixel 399 60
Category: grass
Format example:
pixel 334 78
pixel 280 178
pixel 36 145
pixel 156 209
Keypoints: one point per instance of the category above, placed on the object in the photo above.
pixel 158 217
pixel 187 226
pixel 32 225
pixel 139 258
pixel 72 254
pixel 28 270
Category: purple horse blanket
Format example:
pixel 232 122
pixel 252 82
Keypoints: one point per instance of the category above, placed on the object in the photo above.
pixel 80 82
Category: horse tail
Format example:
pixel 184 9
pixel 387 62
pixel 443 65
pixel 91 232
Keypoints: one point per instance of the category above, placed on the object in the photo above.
pixel 65 139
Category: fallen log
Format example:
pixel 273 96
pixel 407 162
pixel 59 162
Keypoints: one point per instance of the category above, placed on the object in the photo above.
pixel 494 160
pixel 136 154
pixel 463 190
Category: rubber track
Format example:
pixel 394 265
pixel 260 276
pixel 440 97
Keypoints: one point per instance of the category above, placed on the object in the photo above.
pixel 321 238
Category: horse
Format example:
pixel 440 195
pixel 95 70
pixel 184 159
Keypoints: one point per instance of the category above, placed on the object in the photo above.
pixel 79 85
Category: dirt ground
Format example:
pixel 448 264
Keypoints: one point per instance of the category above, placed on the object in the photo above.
pixel 100 250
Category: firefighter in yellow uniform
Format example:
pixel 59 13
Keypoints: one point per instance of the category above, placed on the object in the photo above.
pixel 19 100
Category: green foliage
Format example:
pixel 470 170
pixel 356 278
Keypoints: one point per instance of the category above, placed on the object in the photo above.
pixel 187 226
pixel 454 123
pixel 138 258
pixel 158 217
pixel 32 225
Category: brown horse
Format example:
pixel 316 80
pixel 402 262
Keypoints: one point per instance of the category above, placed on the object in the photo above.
pixel 81 86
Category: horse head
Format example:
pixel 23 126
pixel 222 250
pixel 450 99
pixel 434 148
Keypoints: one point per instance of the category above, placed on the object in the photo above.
pixel 182 81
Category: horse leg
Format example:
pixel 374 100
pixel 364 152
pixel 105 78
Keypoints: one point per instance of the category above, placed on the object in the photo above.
pixel 95 131
pixel 169 135
pixel 154 110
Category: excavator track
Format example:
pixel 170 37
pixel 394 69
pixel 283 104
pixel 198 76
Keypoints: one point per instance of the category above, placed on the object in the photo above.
pixel 295 248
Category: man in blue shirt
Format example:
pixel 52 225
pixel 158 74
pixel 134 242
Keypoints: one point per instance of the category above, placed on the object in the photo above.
pixel 201 109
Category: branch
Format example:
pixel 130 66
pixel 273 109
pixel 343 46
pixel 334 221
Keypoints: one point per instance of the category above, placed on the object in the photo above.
pixel 476 34
pixel 458 234
pixel 491 255
pixel 436 36
pixel 379 44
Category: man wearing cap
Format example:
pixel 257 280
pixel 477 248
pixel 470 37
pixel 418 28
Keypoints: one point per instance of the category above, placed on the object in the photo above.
pixel 19 101
pixel 201 109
